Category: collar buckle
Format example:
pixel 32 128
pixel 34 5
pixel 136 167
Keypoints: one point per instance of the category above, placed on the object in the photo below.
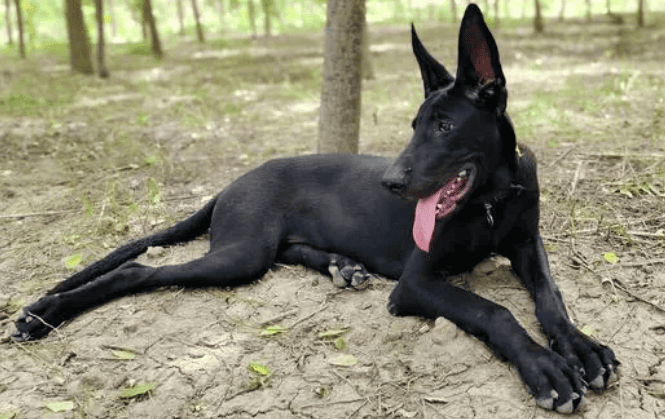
pixel 488 211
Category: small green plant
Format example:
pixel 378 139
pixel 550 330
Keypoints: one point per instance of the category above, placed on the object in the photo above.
pixel 261 375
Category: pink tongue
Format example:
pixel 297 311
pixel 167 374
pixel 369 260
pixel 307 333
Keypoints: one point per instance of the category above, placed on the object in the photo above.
pixel 423 225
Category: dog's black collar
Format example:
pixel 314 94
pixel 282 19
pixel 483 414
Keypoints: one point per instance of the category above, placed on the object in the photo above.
pixel 503 195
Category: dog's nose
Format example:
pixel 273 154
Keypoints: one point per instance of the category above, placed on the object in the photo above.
pixel 396 180
pixel 394 186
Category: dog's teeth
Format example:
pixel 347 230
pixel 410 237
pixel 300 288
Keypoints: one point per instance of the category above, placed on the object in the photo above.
pixel 439 206
pixel 462 173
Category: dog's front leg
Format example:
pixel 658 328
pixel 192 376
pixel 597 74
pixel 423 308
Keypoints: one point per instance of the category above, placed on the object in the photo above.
pixel 596 362
pixel 422 292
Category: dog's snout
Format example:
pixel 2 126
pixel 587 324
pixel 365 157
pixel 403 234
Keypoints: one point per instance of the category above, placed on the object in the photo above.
pixel 396 179
pixel 396 187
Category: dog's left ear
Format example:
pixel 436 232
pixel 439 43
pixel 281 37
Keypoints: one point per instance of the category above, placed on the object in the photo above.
pixel 479 69
pixel 434 74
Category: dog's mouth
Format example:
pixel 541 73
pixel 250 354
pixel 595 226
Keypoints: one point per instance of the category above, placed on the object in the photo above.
pixel 441 204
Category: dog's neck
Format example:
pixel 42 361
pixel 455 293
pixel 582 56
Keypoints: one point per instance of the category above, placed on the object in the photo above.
pixel 499 187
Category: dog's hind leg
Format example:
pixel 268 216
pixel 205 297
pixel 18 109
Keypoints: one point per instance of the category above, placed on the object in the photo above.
pixel 344 271
pixel 231 265
pixel 184 231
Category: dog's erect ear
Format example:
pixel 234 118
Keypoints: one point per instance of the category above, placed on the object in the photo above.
pixel 434 74
pixel 479 67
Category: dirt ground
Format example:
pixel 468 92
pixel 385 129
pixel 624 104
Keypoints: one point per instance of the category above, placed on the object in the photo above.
pixel 119 159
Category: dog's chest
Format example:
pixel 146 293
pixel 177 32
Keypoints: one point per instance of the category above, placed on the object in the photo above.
pixel 468 238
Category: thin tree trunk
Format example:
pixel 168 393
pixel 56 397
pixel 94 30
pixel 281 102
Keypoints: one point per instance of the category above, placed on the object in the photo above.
pixel 154 36
pixel 640 13
pixel 19 21
pixel 339 123
pixel 267 12
pixel 144 27
pixel 453 9
pixel 114 21
pixel 588 10
pixel 538 18
pixel 562 11
pixel 197 19
pixel 79 44
pixel 8 18
pixel 251 11
pixel 497 20
pixel 181 17
pixel 222 13
pixel 101 62
pixel 398 10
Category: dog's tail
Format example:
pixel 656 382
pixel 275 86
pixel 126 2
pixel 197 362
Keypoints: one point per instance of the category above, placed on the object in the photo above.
pixel 184 231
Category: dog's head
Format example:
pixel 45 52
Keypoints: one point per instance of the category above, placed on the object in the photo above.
pixel 463 142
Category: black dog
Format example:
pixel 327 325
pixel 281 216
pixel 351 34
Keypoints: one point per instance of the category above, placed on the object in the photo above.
pixel 477 195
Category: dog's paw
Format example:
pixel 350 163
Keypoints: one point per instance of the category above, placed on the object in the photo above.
pixel 554 384
pixel 346 273
pixel 38 319
pixel 597 362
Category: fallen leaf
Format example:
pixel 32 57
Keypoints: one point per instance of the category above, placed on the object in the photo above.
pixel 56 407
pixel 123 354
pixel 259 369
pixel 272 330
pixel 137 390
pixel 332 333
pixel 344 360
pixel 73 261
pixel 611 257
pixel 340 344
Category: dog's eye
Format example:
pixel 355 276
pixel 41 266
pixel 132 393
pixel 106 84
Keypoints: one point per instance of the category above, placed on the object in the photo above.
pixel 446 126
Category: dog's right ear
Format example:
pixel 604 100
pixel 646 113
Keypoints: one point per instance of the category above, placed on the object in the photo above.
pixel 434 74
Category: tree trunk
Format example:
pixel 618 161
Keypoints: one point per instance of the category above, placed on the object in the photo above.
pixel 640 13
pixel 251 12
pixel 453 9
pixel 497 20
pixel 101 62
pixel 222 13
pixel 588 10
pixel 181 17
pixel 144 26
pixel 538 18
pixel 154 36
pixel 8 18
pixel 562 11
pixel 19 21
pixel 197 20
pixel 267 14
pixel 79 44
pixel 114 21
pixel 339 123
pixel 367 68
pixel 398 8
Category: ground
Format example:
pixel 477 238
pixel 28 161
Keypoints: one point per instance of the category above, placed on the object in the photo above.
pixel 88 164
